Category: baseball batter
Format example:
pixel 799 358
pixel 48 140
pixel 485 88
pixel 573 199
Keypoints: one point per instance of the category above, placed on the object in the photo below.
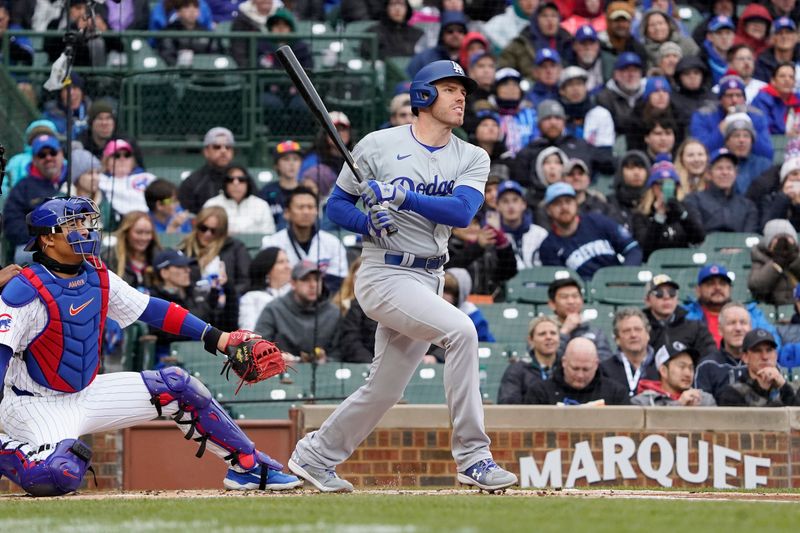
pixel 421 181
pixel 51 326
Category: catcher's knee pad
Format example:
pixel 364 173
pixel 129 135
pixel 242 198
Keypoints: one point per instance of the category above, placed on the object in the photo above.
pixel 199 416
pixel 60 472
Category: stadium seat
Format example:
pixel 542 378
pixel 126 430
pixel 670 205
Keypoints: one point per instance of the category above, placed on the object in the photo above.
pixel 671 260
pixel 170 240
pixel 725 243
pixel 492 364
pixel 770 311
pixel 779 144
pixel 203 108
pixel 602 316
pixel 174 174
pixel 620 285
pixel 784 313
pixel 154 103
pixel 340 380
pixel 530 285
pixel 426 385
pixel 509 322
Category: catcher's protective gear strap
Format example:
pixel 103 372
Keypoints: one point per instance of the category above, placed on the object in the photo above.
pixel 5 357
pixel 173 318
pixel 198 413
pixel 342 210
pixel 59 472
pixel 456 210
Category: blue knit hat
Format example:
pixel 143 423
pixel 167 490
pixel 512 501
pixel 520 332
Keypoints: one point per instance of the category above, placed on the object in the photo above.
pixel 655 84
pixel 731 80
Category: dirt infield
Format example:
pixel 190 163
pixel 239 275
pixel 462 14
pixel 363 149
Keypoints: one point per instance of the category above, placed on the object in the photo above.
pixel 772 497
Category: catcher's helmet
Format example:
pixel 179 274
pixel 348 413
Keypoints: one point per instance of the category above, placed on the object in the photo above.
pixel 61 215
pixel 423 92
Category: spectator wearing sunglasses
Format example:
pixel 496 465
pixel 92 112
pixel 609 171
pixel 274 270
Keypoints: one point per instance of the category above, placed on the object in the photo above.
pixel 247 213
pixel 45 174
pixel 668 322
pixel 208 180
pixel 166 212
pixel 122 181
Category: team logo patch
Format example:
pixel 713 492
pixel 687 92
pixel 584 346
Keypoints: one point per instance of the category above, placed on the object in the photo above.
pixel 457 69
pixel 5 322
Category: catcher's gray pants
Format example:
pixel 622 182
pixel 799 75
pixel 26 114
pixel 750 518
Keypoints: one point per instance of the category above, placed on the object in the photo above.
pixel 411 315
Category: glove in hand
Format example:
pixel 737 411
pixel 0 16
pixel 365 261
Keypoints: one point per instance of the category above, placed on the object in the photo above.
pixel 252 358
pixel 383 194
pixel 380 222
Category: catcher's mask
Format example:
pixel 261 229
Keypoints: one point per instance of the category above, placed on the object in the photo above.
pixel 77 218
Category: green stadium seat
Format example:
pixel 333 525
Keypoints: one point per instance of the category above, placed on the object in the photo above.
pixel 620 285
pixel 770 311
pixel 530 285
pixel 779 144
pixel 601 316
pixel 620 146
pixel 203 108
pixel 492 364
pixel 340 380
pixel 672 259
pixel 509 322
pixel 174 174
pixel 725 243
pixel 690 16
pixel 784 313
pixel 154 104
pixel 604 184
pixel 426 385
pixel 516 351
pixel 261 411
pixel 170 240
pixel 252 241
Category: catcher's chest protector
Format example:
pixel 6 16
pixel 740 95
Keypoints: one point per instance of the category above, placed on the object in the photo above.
pixel 66 355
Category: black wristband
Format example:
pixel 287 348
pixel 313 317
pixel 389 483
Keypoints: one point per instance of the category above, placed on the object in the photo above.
pixel 211 339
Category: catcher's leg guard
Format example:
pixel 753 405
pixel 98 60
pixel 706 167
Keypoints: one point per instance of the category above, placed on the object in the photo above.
pixel 200 417
pixel 50 470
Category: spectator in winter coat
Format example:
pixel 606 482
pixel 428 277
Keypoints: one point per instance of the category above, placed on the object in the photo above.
pixel 585 119
pixel 785 48
pixel 586 55
pixel 577 381
pixel 207 181
pixel 247 213
pixel 543 342
pixel 544 31
pixel 753 27
pixel 668 322
pixel 502 28
pixel 181 50
pixel 585 13
pixel 719 206
pixel 395 36
pixel 549 169
pixel 662 220
pixel 763 385
pixel 657 28
pixel 17 166
pixel 617 38
pixel 779 101
pixel 785 202
pixel 123 182
pixel 713 292
pixel 742 60
pixel 675 363
pixel 287 158
pixel 655 107
pixel 516 222
pixel 270 274
pixel 739 140
pixel 718 41
pixel 776 264
pixel 565 298
pixel 252 17
pixel 584 244
pixel 705 122
pixel 692 89
pixel 546 73
pixel 635 359
pixel 473 43
pixel 669 55
pixel 628 187
pixel 621 93
pixel 452 30
pixel 724 366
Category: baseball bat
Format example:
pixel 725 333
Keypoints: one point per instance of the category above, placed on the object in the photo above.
pixel 314 102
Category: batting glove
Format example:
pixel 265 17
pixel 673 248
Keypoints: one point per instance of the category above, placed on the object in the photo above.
pixel 380 222
pixel 384 194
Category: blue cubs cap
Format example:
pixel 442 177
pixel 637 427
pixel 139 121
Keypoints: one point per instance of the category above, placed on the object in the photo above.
pixel 547 54
pixel 487 113
pixel 557 190
pixel 510 186
pixel 716 155
pixel 731 80
pixel 713 271
pixel 783 23
pixel 655 84
pixel 720 22
pixel 663 171
pixel 586 33
pixel 168 258
pixel 627 59
pixel 45 141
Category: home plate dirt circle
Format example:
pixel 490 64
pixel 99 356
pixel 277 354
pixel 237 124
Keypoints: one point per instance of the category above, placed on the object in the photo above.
pixel 772 497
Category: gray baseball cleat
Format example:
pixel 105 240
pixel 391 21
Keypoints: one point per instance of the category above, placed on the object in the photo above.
pixel 488 476
pixel 324 479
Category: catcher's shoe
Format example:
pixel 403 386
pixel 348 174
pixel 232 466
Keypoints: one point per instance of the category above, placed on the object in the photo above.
pixel 487 475
pixel 324 479
pixel 251 480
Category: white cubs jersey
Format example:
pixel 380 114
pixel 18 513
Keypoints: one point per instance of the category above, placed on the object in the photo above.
pixel 395 156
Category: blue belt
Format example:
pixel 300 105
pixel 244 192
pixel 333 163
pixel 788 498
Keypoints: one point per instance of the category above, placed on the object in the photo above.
pixel 428 263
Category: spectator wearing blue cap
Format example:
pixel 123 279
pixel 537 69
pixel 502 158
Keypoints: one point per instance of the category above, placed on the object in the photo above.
pixel 776 264
pixel 712 299
pixel 452 30
pixel 785 48
pixel 586 243
pixel 585 53
pixel 659 27
pixel 739 140
pixel 516 221
pixel 623 90
pixel 706 122
pixel 719 39
pixel 518 121
pixel 780 102
pixel 502 28
pixel 546 73
pixel 544 31
pixel 719 206
pixel 662 221
pixel 585 119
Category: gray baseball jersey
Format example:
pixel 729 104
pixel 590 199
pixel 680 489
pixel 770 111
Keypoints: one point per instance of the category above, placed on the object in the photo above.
pixel 393 155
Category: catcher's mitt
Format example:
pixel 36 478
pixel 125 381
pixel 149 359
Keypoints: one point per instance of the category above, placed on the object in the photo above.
pixel 253 359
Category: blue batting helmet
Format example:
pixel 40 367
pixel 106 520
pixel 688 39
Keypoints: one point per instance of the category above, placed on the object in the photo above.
pixel 61 215
pixel 423 92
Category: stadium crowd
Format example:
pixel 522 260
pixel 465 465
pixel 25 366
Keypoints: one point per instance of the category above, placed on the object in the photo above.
pixel 571 94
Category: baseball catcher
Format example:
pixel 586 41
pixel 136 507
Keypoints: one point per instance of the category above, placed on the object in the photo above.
pixel 51 327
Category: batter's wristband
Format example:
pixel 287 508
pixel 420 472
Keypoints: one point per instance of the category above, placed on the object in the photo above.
pixel 211 339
